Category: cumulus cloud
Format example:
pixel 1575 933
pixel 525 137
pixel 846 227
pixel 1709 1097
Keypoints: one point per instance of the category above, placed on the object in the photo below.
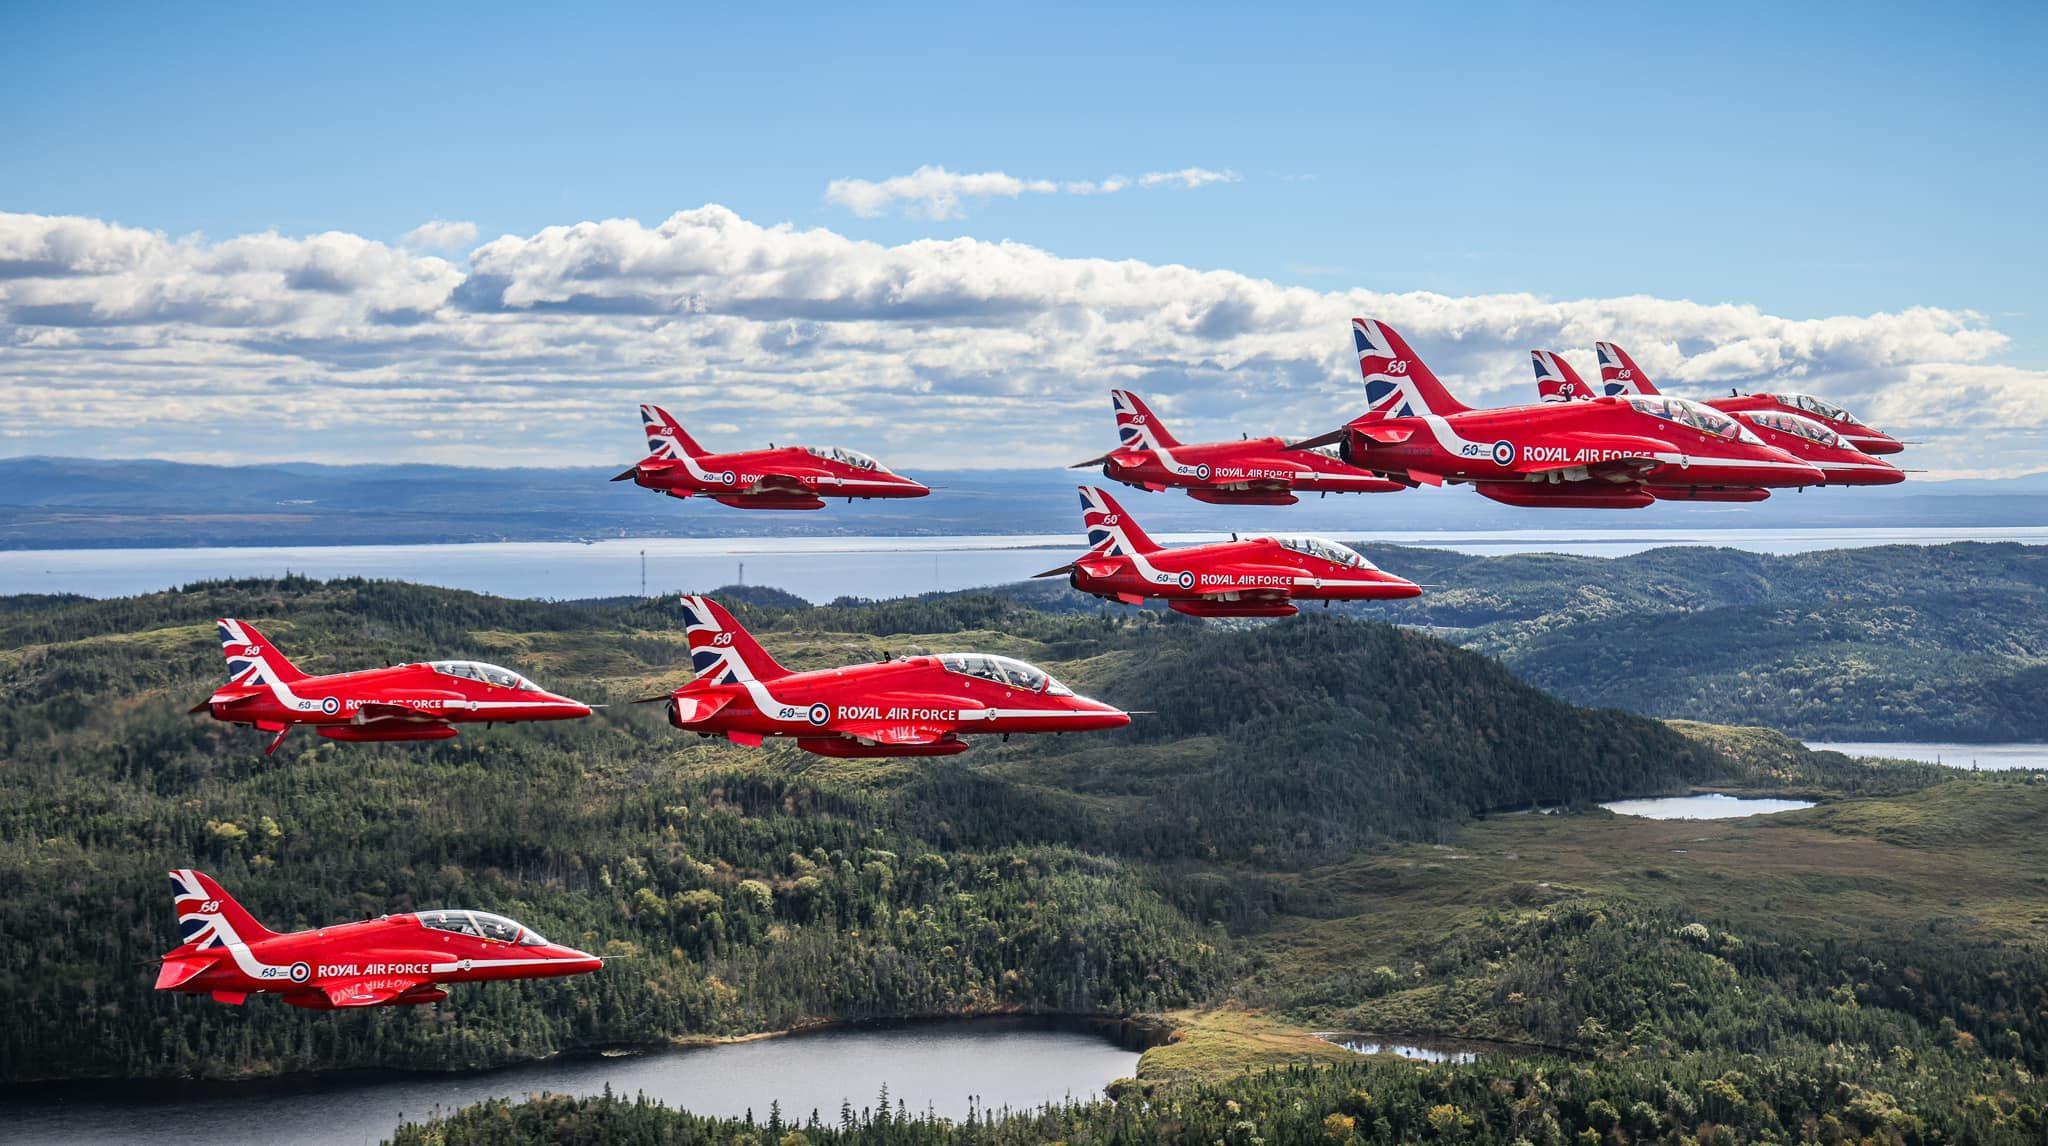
pixel 932 192
pixel 954 352
pixel 440 235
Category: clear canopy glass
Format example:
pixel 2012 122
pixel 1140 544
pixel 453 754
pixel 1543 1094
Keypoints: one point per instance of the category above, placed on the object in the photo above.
pixel 846 457
pixel 1825 409
pixel 1699 416
pixel 1004 671
pixel 1788 423
pixel 480 925
pixel 489 674
pixel 1326 549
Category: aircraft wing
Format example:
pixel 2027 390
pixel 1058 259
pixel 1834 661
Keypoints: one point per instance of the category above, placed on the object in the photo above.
pixel 786 484
pixel 899 734
pixel 1611 470
pixel 376 710
pixel 370 992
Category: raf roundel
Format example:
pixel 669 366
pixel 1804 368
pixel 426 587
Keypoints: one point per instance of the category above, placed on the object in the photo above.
pixel 729 477
pixel 1503 453
pixel 300 972
pixel 819 714
pixel 1202 471
pixel 1187 579
pixel 330 705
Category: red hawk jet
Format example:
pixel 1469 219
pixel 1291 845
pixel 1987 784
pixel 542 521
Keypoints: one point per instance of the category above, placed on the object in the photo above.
pixel 788 477
pixel 910 706
pixel 1252 577
pixel 393 960
pixel 1614 453
pixel 1619 377
pixel 1256 471
pixel 403 702
pixel 1796 434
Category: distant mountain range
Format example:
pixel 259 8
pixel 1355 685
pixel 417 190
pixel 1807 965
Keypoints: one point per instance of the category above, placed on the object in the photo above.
pixel 59 503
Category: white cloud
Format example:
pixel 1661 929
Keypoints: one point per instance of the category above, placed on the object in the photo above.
pixel 440 235
pixel 955 352
pixel 932 192
pixel 1188 177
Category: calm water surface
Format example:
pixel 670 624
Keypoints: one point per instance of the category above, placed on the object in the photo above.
pixel 816 568
pixel 940 1066
pixel 1990 757
pixel 1704 807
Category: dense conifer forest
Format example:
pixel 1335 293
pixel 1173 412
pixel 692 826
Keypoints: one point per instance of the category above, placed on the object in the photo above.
pixel 1312 828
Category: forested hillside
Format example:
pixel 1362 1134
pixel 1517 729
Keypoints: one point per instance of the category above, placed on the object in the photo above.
pixel 1898 642
pixel 756 890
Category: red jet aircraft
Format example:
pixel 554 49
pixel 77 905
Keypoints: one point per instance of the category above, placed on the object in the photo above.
pixel 393 960
pixel 1256 471
pixel 1619 377
pixel 789 477
pixel 1796 434
pixel 910 706
pixel 1610 453
pixel 403 702
pixel 1253 577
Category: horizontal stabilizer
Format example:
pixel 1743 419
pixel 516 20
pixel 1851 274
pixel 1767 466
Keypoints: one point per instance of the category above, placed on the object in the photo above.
pixel 1319 441
pixel 1388 435
pixel 181 970
pixel 1059 572
pixel 691 709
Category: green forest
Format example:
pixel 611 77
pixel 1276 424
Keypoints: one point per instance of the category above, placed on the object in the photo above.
pixel 1896 642
pixel 1311 829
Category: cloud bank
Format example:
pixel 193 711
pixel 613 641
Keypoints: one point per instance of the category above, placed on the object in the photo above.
pixel 116 342
pixel 936 193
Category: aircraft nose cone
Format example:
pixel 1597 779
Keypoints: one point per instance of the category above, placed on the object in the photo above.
pixel 583 960
pixel 1402 587
pixel 1103 715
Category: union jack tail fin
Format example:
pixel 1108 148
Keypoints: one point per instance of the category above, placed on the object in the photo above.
pixel 1556 381
pixel 666 437
pixel 1111 532
pixel 721 649
pixel 1137 427
pixel 1397 384
pixel 1618 373
pixel 252 660
pixel 208 917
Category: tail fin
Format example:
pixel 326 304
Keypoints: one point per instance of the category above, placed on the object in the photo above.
pixel 666 437
pixel 721 650
pixel 1111 532
pixel 1556 381
pixel 1397 384
pixel 252 660
pixel 208 916
pixel 1137 427
pixel 1618 373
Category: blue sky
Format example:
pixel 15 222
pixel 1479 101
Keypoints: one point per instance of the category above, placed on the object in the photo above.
pixel 1809 160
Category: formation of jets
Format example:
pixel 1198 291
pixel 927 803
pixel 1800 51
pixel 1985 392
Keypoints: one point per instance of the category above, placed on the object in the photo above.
pixel 1622 444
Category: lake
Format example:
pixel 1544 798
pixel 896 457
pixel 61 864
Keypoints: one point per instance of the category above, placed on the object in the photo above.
pixel 940 1066
pixel 1706 806
pixel 815 568
pixel 1990 757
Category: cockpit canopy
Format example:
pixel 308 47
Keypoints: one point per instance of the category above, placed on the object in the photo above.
pixel 1003 670
pixel 1813 405
pixel 489 674
pixel 1787 423
pixel 1326 549
pixel 481 925
pixel 846 457
pixel 1697 415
